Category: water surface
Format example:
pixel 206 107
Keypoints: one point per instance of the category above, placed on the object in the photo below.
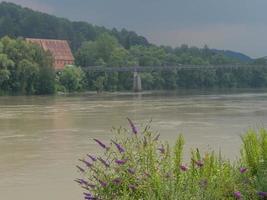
pixel 41 138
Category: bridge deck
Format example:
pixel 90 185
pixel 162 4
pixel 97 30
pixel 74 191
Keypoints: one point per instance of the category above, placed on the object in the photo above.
pixel 160 68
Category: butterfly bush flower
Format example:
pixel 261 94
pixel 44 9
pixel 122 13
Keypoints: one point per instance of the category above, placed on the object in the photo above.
pixel 243 170
pixel 103 184
pixel 80 169
pixel 119 147
pixel 87 195
pixel 117 181
pixel 199 163
pixel 104 162
pixel 80 181
pixel 120 162
pixel 262 194
pixel 88 164
pixel 101 144
pixel 161 149
pixel 131 171
pixel 238 195
pixel 92 157
pixel 157 137
pixel 134 129
pixel 183 168
pixel 85 183
pixel 132 187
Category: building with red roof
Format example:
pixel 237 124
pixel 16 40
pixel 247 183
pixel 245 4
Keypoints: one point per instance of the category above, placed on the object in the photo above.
pixel 59 49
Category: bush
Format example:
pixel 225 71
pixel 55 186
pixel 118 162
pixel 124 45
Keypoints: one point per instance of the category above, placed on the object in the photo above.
pixel 72 78
pixel 136 165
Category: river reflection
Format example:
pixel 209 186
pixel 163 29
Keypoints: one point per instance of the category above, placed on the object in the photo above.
pixel 41 138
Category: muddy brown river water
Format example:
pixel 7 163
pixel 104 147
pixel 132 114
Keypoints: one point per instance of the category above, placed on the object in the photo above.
pixel 42 137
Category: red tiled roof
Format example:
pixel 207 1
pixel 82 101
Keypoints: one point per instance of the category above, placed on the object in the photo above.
pixel 59 49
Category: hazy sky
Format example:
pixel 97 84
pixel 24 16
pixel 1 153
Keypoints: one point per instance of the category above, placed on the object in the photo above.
pixel 239 25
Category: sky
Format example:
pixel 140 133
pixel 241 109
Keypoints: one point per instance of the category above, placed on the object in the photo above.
pixel 239 25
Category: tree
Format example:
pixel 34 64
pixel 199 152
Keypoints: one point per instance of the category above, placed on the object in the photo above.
pixel 120 57
pixel 72 78
pixel 27 71
pixel 105 45
pixel 25 68
pixel 5 64
pixel 99 83
pixel 87 55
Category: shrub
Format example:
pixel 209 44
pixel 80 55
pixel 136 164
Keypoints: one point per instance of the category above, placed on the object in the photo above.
pixel 137 165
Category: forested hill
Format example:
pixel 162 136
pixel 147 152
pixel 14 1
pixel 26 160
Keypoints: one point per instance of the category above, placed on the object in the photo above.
pixel 233 54
pixel 16 21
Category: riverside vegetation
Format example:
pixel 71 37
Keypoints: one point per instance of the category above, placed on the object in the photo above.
pixel 137 165
pixel 26 69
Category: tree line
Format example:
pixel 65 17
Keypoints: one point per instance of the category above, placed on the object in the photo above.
pixel 26 68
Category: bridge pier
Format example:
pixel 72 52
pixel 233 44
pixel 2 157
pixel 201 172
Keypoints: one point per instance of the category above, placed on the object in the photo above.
pixel 137 82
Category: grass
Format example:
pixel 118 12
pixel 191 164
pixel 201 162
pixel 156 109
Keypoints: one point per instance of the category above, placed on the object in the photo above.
pixel 137 165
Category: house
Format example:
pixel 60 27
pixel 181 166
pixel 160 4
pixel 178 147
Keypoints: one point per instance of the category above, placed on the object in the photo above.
pixel 59 49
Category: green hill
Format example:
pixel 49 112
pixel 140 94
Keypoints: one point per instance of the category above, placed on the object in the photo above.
pixel 16 21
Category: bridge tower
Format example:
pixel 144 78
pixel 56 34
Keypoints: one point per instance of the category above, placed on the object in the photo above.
pixel 137 82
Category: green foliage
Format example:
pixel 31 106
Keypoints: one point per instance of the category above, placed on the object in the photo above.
pixel 72 78
pixel 25 68
pixel 254 155
pixel 137 165
pixel 99 83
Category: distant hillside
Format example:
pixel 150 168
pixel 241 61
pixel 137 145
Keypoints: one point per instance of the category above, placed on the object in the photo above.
pixel 17 21
pixel 234 55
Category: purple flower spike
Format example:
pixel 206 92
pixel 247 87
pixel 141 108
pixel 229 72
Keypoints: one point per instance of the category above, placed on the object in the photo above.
pixel 134 129
pixel 120 162
pixel 103 184
pixel 262 194
pixel 101 144
pixel 119 147
pixel 85 183
pixel 104 162
pixel 87 194
pixel 157 137
pixel 161 149
pixel 132 187
pixel 243 170
pixel 78 181
pixel 183 168
pixel 117 181
pixel 92 157
pixel 200 163
pixel 81 169
pixel 131 171
pixel 86 162
pixel 238 195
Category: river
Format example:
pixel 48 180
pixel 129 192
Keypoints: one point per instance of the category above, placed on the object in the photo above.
pixel 41 137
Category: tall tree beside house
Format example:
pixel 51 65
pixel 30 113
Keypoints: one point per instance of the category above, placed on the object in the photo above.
pixel 25 68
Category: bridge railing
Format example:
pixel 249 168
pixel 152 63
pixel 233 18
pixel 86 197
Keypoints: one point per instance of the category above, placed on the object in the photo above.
pixel 159 68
